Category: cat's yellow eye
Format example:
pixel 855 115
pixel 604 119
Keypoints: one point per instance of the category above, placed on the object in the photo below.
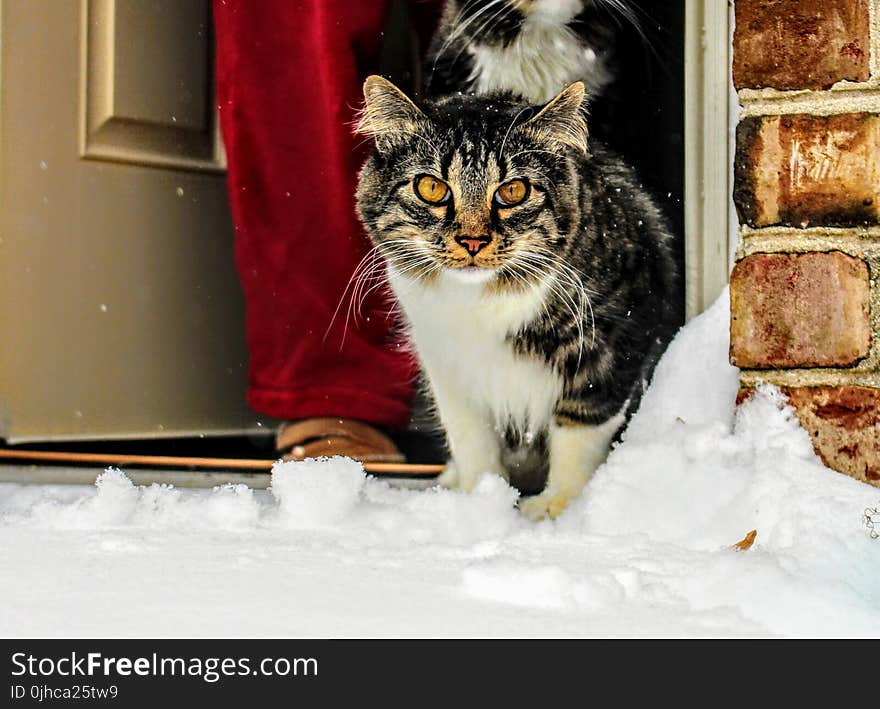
pixel 431 189
pixel 512 193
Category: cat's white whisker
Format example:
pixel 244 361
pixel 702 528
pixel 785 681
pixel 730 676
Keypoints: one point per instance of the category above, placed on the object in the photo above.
pixel 475 37
pixel 372 253
pixel 531 152
pixel 460 28
pixel 351 309
pixel 370 266
pixel 577 281
pixel 368 283
pixel 576 309
pixel 511 126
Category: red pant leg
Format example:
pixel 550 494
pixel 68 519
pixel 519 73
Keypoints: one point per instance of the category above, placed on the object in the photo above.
pixel 289 79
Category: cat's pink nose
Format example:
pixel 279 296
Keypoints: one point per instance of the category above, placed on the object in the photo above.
pixel 473 244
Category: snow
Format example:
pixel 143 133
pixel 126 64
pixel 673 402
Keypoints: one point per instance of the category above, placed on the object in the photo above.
pixel 330 552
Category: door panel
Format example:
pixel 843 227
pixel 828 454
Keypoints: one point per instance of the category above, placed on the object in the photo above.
pixel 120 312
pixel 147 83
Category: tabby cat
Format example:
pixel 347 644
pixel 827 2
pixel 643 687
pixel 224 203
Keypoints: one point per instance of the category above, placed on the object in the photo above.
pixel 534 273
pixel 532 48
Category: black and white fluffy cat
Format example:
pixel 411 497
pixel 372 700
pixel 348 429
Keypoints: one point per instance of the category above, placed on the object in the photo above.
pixel 534 273
pixel 533 48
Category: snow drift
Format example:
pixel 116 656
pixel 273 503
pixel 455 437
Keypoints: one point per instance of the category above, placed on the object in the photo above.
pixel 328 552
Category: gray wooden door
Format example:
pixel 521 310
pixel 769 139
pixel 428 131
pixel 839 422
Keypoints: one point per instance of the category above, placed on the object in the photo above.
pixel 120 311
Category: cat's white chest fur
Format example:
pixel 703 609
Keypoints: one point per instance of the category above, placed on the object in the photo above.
pixel 483 387
pixel 544 58
pixel 461 337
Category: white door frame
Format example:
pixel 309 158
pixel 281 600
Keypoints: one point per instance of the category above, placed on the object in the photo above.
pixel 708 155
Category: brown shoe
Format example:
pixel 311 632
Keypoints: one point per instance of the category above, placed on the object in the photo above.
pixel 316 437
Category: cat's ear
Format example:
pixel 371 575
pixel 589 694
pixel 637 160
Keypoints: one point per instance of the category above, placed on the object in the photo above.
pixel 389 115
pixel 562 122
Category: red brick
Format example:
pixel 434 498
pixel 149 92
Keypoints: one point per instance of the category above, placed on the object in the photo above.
pixel 804 170
pixel 844 423
pixel 800 44
pixel 799 310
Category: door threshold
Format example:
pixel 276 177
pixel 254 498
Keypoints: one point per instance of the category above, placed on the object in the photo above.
pixel 185 471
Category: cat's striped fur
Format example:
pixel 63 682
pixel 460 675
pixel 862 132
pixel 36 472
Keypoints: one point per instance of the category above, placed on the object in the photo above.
pixel 538 342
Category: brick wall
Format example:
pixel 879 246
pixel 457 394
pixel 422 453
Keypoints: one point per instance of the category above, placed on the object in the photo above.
pixel 805 296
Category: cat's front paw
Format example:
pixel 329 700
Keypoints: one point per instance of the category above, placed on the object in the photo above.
pixel 547 504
